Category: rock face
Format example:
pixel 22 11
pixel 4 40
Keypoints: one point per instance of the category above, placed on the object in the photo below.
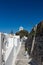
pixel 38 44
pixel 37 53
pixel 28 44
pixel 40 29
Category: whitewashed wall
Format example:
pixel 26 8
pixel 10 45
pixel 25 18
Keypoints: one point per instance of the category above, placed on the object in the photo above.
pixel 13 43
pixel 14 47
pixel 9 48
pixel 0 51
pixel 2 46
pixel 17 46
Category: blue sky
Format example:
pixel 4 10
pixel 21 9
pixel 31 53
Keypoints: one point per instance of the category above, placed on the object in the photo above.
pixel 16 13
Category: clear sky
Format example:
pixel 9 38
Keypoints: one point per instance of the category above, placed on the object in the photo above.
pixel 16 13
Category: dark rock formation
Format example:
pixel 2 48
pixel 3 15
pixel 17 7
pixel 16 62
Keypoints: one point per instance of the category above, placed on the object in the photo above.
pixel 40 29
pixel 37 53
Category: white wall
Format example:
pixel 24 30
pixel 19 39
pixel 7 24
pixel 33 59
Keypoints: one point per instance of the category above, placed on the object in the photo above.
pixel 9 48
pixel 0 50
pixel 17 46
pixel 1 47
pixel 12 50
